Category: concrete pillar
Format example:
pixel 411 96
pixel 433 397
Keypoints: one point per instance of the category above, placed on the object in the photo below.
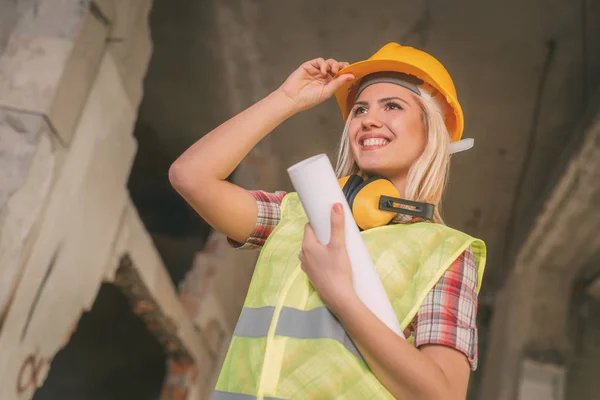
pixel 39 108
pixel 70 82
pixel 64 266
pixel 51 60
pixel 532 310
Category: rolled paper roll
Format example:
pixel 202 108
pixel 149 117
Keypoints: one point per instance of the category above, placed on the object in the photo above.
pixel 318 189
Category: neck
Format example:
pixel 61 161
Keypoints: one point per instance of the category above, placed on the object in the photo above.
pixel 400 183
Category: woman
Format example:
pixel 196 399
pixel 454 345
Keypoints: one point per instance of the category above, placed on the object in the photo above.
pixel 402 114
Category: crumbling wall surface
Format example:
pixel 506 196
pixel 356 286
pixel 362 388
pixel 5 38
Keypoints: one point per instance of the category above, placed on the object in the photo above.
pixel 71 75
pixel 8 16
pixel 46 71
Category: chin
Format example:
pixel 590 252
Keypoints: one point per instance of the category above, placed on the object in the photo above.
pixel 374 170
pixel 386 170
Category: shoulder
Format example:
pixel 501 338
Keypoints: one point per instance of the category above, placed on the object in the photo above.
pixel 462 276
pixel 474 249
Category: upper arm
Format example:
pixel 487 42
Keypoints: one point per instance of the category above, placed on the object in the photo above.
pixel 226 207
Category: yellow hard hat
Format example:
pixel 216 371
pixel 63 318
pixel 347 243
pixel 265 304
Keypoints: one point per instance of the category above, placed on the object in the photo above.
pixel 407 60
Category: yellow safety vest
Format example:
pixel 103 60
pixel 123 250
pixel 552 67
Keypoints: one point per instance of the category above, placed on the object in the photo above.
pixel 288 345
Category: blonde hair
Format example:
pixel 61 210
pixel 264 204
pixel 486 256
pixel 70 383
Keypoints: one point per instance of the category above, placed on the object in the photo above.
pixel 427 177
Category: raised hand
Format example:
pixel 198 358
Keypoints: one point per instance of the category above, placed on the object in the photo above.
pixel 313 82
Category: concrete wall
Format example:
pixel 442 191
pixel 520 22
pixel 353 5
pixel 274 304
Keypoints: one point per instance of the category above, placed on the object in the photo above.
pixel 8 19
pixel 71 79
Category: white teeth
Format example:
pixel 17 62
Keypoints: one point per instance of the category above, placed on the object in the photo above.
pixel 375 142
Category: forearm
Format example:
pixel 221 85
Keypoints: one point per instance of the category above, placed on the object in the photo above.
pixel 218 153
pixel 401 368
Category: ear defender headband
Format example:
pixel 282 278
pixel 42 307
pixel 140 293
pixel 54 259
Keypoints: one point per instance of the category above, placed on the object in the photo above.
pixel 376 201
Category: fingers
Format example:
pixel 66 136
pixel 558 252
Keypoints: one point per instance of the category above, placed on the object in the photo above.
pixel 309 237
pixel 327 67
pixel 338 237
pixel 323 66
pixel 308 231
pixel 336 66
pixel 335 84
pixel 302 257
pixel 319 65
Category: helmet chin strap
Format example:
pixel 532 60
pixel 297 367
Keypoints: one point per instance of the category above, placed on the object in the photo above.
pixel 461 145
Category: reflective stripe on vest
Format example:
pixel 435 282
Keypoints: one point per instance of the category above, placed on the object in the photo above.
pixel 318 323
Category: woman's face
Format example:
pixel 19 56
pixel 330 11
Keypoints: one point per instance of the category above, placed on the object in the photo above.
pixel 386 133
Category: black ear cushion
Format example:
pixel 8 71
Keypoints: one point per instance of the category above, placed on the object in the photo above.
pixel 358 188
pixel 352 183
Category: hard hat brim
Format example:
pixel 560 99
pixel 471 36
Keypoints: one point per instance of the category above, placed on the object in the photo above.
pixel 345 94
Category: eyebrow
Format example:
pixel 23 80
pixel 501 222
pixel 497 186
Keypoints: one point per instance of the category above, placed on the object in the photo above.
pixel 366 103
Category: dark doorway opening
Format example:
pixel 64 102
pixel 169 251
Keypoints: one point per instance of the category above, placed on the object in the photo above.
pixel 111 356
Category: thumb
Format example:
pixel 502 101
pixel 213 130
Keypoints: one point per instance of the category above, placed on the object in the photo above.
pixel 338 234
pixel 337 83
pixel 309 234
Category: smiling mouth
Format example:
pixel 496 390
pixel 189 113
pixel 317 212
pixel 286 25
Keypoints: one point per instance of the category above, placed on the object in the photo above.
pixel 374 143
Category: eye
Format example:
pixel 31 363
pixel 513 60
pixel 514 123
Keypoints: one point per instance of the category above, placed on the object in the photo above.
pixel 393 106
pixel 359 110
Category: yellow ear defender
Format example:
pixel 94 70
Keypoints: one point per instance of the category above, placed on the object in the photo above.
pixel 375 201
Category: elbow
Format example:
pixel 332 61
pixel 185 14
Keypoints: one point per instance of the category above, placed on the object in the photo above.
pixel 179 176
pixel 187 178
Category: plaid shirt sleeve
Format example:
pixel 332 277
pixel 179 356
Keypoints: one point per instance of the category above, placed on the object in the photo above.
pixel 447 316
pixel 269 214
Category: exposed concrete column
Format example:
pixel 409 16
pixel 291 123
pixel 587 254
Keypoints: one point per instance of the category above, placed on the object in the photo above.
pixel 532 311
pixel 46 73
pixel 39 107
pixel 69 91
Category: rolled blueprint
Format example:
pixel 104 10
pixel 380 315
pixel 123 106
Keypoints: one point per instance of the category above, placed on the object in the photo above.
pixel 318 190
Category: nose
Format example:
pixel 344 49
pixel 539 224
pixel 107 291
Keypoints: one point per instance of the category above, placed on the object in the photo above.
pixel 371 121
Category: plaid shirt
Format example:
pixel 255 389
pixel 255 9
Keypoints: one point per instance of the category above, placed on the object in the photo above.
pixel 446 317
